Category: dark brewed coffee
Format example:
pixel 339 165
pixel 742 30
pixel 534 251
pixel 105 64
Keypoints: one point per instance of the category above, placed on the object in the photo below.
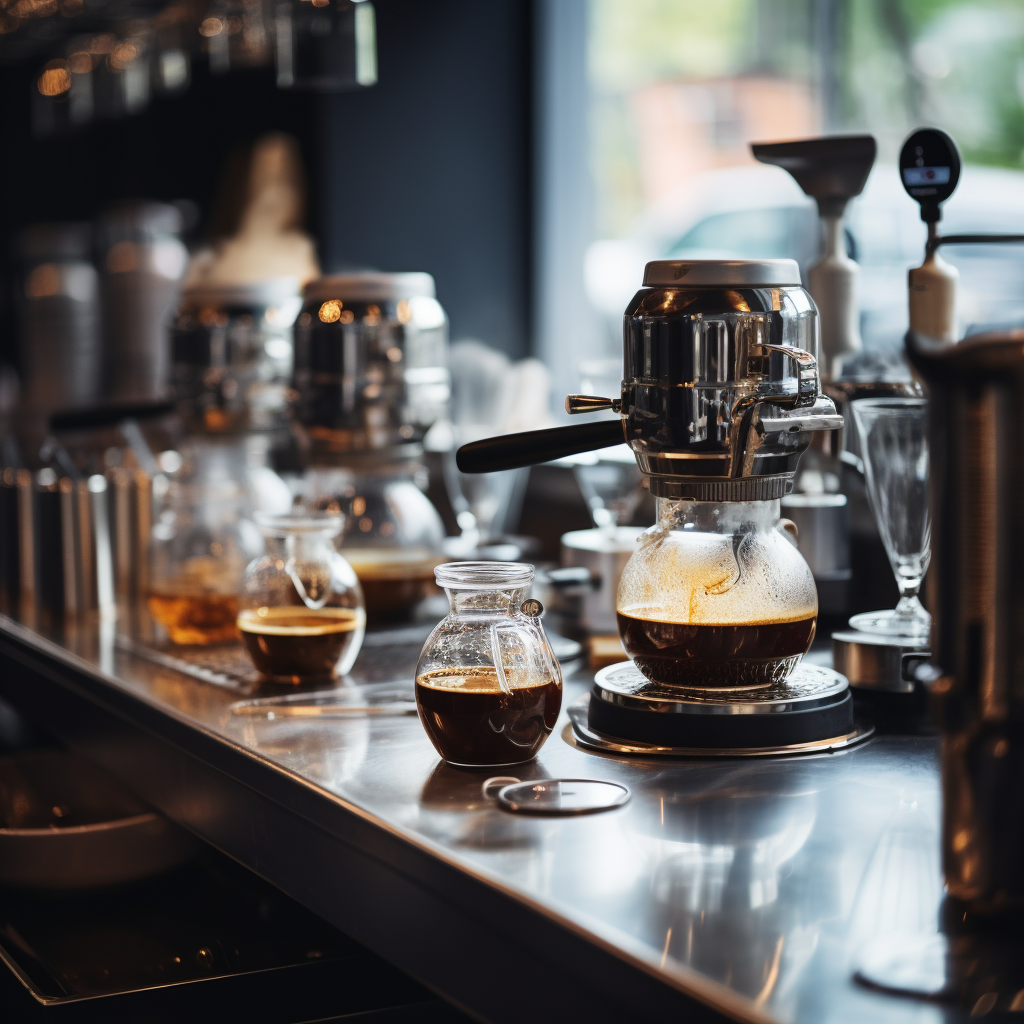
pixel 391 594
pixel 294 643
pixel 471 720
pixel 715 657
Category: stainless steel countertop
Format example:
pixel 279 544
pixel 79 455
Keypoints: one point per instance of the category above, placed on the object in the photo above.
pixel 736 889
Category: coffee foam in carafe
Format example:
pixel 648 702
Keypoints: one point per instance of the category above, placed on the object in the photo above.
pixel 717 579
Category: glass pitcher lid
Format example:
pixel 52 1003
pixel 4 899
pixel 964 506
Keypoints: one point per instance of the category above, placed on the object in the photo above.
pixel 555 796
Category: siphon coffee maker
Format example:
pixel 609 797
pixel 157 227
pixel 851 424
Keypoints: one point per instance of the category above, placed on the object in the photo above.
pixel 371 376
pixel 720 396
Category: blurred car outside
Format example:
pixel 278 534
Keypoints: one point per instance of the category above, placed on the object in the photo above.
pixel 759 212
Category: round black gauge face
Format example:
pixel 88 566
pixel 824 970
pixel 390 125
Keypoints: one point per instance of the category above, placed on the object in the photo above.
pixel 930 169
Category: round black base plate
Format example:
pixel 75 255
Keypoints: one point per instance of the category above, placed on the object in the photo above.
pixel 814 704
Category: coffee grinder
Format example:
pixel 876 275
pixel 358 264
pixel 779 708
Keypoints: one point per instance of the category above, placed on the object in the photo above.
pixel 884 666
pixel 720 397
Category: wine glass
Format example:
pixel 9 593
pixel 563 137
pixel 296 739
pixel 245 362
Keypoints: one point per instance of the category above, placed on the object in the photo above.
pixel 894 448
pixel 478 499
pixel 611 485
pixel 484 394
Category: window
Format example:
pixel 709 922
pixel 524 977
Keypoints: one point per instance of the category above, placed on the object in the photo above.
pixel 677 89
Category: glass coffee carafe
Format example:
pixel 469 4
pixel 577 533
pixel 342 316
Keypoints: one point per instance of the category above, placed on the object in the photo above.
pixel 488 686
pixel 717 597
pixel 392 535
pixel 200 544
pixel 302 614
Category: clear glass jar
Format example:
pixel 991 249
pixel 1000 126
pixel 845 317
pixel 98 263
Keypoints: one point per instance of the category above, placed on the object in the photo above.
pixel 392 536
pixel 717 597
pixel 200 544
pixel 488 686
pixel 302 614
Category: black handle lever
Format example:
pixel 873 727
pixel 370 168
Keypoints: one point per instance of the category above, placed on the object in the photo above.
pixel 512 451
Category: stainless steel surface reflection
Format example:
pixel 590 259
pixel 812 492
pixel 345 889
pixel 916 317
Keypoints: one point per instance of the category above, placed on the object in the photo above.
pixel 721 890
pixel 718 863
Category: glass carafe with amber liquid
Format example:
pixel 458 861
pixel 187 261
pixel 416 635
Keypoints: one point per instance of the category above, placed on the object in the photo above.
pixel 717 597
pixel 200 544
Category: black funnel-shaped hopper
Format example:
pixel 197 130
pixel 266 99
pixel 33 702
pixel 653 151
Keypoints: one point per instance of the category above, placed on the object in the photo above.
pixel 832 169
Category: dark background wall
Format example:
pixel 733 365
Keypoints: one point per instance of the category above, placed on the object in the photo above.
pixel 428 170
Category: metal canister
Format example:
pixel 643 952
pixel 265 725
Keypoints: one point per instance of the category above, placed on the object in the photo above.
pixel 142 260
pixel 129 511
pixel 72 542
pixel 604 552
pixel 60 318
pixel 976 420
pixel 371 364
pixel 231 355
pixel 17 540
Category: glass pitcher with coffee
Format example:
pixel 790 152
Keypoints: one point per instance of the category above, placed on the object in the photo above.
pixel 302 614
pixel 488 686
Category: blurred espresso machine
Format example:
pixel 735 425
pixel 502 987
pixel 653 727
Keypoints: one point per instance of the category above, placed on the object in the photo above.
pixel 977 506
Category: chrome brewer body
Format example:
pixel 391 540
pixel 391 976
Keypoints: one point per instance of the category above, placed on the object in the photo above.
pixel 231 355
pixel 720 389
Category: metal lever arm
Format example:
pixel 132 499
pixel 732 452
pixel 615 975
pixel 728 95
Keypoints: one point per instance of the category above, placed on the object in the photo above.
pixel 513 451
pixel 590 403
pixel 808 383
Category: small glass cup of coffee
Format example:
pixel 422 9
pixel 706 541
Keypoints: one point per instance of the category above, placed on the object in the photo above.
pixel 302 614
pixel 488 686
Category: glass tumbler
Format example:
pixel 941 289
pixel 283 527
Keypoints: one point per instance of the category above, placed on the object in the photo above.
pixel 488 687
pixel 894 447
pixel 302 614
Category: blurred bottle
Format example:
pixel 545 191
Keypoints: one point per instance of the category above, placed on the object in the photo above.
pixel 237 34
pixel 173 30
pixel 62 95
pixel 142 261
pixel 325 45
pixel 59 319
pixel 120 70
